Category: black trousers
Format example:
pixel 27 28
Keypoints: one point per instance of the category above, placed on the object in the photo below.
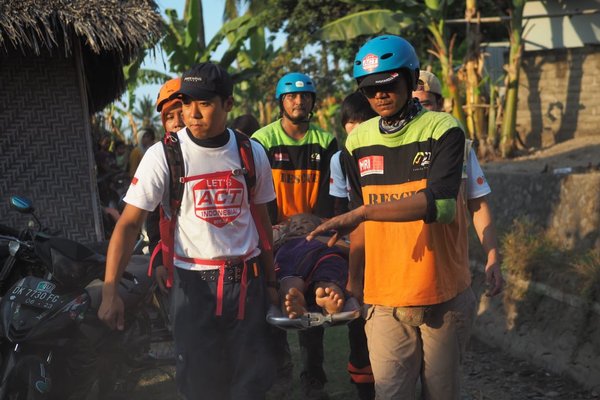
pixel 311 353
pixel 220 357
pixel 359 360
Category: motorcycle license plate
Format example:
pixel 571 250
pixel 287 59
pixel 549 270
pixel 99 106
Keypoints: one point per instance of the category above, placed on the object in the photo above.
pixel 41 296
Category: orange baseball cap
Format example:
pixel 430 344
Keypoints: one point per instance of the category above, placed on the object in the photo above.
pixel 166 92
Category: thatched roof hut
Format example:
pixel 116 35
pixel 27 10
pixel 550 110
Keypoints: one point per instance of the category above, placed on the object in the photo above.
pixel 109 33
pixel 60 61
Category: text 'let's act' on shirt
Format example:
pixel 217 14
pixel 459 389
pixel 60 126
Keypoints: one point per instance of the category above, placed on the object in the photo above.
pixel 214 221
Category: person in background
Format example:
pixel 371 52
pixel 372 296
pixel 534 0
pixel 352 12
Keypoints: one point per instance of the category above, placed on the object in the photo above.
pixel 355 110
pixel 429 93
pixel 146 138
pixel 121 155
pixel 105 158
pixel 299 153
pixel 245 124
pixel 170 109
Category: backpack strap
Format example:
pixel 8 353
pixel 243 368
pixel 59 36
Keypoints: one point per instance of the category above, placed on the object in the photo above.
pixel 174 157
pixel 248 168
pixel 245 150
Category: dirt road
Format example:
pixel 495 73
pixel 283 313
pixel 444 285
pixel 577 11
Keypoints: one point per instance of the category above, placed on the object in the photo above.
pixel 488 374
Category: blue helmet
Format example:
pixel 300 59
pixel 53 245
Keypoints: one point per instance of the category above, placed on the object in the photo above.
pixel 294 82
pixel 386 53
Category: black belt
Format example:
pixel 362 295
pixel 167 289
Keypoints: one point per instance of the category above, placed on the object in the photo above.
pixel 233 272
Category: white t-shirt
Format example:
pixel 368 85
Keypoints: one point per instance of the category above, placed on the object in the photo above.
pixel 477 185
pixel 214 220
pixel 338 187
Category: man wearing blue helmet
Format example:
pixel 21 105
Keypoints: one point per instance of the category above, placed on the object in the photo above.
pixel 299 151
pixel 300 154
pixel 408 224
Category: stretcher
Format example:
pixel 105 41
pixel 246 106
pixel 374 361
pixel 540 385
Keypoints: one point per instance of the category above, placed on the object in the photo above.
pixel 351 311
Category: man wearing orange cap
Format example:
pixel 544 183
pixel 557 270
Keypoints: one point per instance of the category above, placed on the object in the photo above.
pixel 169 108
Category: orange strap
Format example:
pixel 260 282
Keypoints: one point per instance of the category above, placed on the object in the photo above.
pixel 152 257
pixel 220 281
pixel 361 375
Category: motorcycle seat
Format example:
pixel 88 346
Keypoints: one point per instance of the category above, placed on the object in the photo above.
pixel 133 288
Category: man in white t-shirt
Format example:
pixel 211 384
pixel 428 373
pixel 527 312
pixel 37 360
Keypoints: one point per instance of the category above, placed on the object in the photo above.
pixel 223 275
pixel 354 111
pixel 429 93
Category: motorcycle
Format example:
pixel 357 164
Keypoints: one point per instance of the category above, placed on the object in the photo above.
pixel 52 344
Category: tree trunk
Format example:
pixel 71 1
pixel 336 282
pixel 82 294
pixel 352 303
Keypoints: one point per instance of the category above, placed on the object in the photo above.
pixel 112 126
pixel 444 54
pixel 201 37
pixel 492 130
pixel 507 143
pixel 473 67
pixel 134 128
pixel 189 6
pixel 324 61
pixel 262 120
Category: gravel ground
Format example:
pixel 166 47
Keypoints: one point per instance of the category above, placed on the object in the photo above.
pixel 489 374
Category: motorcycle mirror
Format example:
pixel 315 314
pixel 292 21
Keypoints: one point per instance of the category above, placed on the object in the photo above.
pixel 21 204
pixel 24 206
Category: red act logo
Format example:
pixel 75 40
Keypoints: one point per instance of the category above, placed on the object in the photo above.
pixel 218 200
pixel 370 165
pixel 370 62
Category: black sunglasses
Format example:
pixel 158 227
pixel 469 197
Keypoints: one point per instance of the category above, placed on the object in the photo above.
pixel 371 91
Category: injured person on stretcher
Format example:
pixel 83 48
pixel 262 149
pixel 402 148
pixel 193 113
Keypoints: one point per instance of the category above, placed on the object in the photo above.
pixel 312 277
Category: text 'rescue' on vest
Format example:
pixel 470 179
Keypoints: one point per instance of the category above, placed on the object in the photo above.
pixel 419 262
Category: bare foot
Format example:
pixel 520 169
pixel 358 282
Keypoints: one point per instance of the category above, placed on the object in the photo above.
pixel 329 299
pixel 294 304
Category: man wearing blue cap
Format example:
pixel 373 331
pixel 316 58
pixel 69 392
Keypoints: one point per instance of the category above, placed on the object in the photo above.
pixel 223 269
